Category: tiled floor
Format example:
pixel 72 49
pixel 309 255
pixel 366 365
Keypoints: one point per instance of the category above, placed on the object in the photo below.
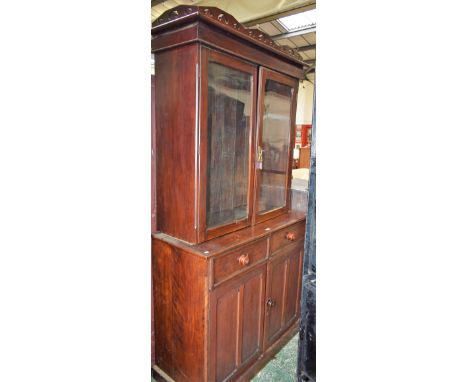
pixel 282 368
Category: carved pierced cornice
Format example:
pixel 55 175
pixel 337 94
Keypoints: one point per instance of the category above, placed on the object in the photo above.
pixel 223 20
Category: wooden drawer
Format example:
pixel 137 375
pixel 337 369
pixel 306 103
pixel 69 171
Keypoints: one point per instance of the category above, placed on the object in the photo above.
pixel 238 260
pixel 287 235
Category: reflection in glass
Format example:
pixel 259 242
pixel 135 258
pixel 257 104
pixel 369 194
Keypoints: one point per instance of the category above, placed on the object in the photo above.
pixel 229 113
pixel 275 144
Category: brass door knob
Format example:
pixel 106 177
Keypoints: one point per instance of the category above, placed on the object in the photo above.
pixel 244 260
pixel 291 236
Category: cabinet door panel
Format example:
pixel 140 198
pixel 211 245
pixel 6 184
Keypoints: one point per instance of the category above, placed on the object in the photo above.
pixel 275 138
pixel 283 291
pixel 236 324
pixel 227 321
pixel 228 93
pixel 252 317
pixel 291 306
pixel 275 297
pixel 276 131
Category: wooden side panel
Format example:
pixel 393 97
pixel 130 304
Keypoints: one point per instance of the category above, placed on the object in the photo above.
pixel 153 355
pixel 176 126
pixel 162 287
pixel 153 153
pixel 180 303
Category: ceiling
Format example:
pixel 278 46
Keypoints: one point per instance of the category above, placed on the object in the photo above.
pixel 262 15
pixel 304 42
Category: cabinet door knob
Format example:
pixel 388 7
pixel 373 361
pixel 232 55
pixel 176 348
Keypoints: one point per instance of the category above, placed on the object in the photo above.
pixel 271 303
pixel 291 236
pixel 244 260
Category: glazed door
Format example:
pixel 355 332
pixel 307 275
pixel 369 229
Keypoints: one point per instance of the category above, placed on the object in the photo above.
pixel 275 140
pixel 227 114
pixel 283 291
pixel 236 324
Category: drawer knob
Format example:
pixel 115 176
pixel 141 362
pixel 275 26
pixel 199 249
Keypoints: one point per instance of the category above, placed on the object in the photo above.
pixel 271 303
pixel 244 260
pixel 291 236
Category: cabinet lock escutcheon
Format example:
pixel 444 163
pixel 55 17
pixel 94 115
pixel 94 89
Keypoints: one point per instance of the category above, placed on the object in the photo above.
pixel 259 154
pixel 271 303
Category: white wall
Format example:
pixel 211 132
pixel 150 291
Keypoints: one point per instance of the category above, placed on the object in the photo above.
pixel 305 97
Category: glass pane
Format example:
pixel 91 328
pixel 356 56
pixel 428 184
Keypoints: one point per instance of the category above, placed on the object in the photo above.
pixel 275 144
pixel 229 113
